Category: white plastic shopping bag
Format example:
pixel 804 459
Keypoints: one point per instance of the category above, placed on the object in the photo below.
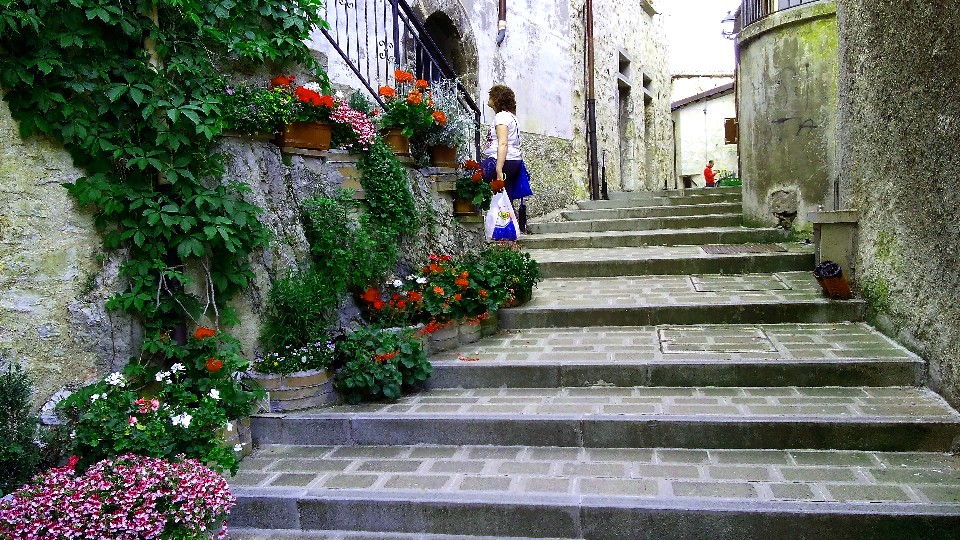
pixel 501 222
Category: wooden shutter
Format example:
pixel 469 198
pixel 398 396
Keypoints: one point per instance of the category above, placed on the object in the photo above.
pixel 730 131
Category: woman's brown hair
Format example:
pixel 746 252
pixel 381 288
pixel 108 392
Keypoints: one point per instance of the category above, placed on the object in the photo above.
pixel 503 98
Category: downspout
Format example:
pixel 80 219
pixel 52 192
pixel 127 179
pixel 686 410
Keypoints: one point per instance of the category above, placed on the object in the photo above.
pixel 591 105
pixel 502 22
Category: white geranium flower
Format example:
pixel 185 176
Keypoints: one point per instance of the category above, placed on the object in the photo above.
pixel 214 393
pixel 182 419
pixel 397 283
pixel 95 397
pixel 237 447
pixel 421 280
pixel 177 368
pixel 162 376
pixel 229 426
pixel 116 379
pixel 312 86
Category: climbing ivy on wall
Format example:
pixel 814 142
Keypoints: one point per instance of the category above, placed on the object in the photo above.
pixel 130 88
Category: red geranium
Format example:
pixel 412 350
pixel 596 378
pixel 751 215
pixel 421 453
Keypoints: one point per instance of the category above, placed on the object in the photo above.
pixel 477 176
pixel 496 185
pixel 214 364
pixel 387 92
pixel 422 84
pixel 439 117
pixel 415 98
pixel 307 96
pixel 204 332
pixel 371 295
pixel 403 76
pixel 282 80
pixel 471 165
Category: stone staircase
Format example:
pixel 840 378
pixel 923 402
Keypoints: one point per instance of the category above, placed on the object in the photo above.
pixel 676 376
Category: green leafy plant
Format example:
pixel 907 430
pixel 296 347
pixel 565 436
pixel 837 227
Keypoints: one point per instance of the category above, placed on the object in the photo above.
pixel 251 110
pixel 20 453
pixel 727 178
pixel 472 187
pixel 458 126
pixel 299 309
pixel 312 356
pixel 517 272
pixel 379 363
pixel 389 201
pixel 157 412
pixel 408 107
pixel 451 293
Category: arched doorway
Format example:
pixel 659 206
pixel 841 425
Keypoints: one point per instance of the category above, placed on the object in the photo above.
pixel 449 28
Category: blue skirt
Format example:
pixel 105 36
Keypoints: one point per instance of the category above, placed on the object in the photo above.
pixel 517 178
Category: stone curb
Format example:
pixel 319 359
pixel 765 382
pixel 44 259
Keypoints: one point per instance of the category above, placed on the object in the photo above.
pixel 679 237
pixel 637 224
pixel 654 211
pixel 741 263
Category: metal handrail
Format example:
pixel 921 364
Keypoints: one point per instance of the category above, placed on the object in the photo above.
pixel 752 11
pixel 376 37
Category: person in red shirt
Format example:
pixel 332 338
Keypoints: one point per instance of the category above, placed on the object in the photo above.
pixel 708 174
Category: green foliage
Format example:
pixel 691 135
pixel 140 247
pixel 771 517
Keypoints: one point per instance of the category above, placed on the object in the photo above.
pixel 474 189
pixel 300 308
pixel 379 363
pixel 389 200
pixel 458 125
pixel 132 90
pixel 727 178
pixel 407 107
pixel 19 450
pixel 518 272
pixel 358 101
pixel 156 412
pixel 251 110
pixel 312 356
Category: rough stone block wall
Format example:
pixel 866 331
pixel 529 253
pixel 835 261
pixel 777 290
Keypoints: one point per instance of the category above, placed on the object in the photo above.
pixel 54 279
pixel 787 86
pixel 899 135
pixel 624 26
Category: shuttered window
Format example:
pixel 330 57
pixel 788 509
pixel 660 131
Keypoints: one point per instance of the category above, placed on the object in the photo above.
pixel 730 131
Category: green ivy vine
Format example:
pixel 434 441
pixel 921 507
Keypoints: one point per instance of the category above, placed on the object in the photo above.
pixel 130 88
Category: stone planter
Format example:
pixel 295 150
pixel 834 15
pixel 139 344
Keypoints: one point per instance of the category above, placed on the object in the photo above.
pixel 522 297
pixel 469 332
pixel 397 141
pixel 240 434
pixel 443 156
pixel 306 135
pixel 301 390
pixel 490 325
pixel 445 338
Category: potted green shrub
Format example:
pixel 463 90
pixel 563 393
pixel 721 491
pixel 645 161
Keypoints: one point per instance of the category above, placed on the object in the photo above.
pixel 408 110
pixel 514 273
pixel 379 363
pixel 472 191
pixel 447 139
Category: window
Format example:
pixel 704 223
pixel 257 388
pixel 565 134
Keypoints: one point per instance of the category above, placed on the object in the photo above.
pixel 730 131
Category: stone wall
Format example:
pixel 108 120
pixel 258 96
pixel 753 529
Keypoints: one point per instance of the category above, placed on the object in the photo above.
pixel 787 90
pixel 641 141
pixel 899 133
pixel 54 279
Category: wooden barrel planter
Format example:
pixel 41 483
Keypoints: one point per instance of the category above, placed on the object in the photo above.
pixel 443 156
pixel 301 390
pixel 397 141
pixel 490 325
pixel 445 338
pixel 470 332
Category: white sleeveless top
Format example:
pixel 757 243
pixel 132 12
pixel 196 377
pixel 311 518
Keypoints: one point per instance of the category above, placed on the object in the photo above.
pixel 504 118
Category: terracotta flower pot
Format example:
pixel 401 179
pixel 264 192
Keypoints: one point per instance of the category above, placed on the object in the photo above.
pixel 463 207
pixel 397 141
pixel 443 156
pixel 309 135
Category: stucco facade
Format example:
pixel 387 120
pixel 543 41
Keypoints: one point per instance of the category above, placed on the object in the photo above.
pixel 787 92
pixel 542 59
pixel 700 135
pixel 899 131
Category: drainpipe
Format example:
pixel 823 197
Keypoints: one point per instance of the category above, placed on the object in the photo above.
pixel 502 22
pixel 591 105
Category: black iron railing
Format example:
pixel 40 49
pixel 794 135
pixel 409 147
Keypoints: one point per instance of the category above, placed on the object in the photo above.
pixel 376 37
pixel 752 11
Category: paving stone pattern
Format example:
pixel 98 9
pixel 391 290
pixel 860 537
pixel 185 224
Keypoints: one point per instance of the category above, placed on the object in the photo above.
pixel 765 475
pixel 786 426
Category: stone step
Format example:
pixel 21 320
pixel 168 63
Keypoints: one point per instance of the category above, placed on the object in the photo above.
pixel 844 354
pixel 673 260
pixel 654 211
pixel 670 200
pixel 617 195
pixel 840 418
pixel 781 297
pixel 637 224
pixel 671 237
pixel 298 534
pixel 597 493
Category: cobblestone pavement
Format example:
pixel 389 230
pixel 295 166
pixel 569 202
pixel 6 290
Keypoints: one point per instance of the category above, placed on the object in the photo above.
pixel 648 252
pixel 777 288
pixel 765 475
pixel 245 534
pixel 852 403
pixel 665 344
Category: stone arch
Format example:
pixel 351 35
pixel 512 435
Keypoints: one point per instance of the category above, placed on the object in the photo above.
pixel 449 26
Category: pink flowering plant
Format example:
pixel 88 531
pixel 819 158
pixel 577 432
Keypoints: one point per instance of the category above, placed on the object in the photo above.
pixel 125 498
pixel 184 404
